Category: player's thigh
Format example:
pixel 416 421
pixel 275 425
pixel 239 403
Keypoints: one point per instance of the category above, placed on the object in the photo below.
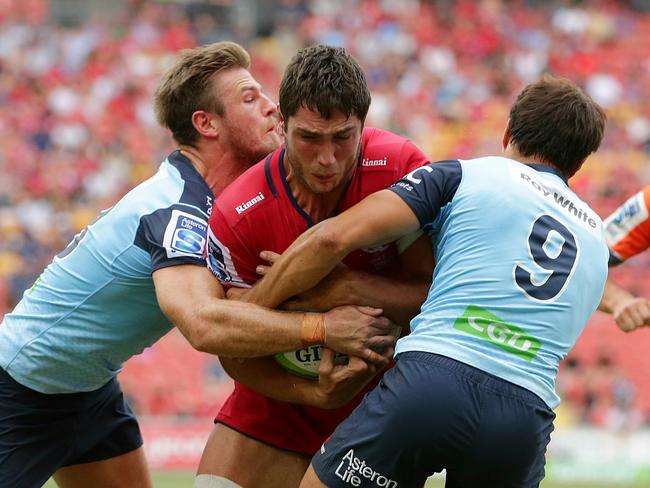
pixel 35 435
pixel 311 480
pixel 126 470
pixel 390 439
pixel 249 462
pixel 508 449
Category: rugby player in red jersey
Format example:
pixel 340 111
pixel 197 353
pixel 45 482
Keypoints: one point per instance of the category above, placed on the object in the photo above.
pixel 267 431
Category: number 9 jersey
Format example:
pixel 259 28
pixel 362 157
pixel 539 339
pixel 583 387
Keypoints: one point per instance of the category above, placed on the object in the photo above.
pixel 515 318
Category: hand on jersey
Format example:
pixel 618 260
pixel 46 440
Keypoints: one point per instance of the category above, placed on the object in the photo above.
pixel 632 314
pixel 339 383
pixel 334 290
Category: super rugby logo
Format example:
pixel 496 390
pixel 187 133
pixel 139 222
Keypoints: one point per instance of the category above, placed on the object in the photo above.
pixel 246 205
pixel 185 235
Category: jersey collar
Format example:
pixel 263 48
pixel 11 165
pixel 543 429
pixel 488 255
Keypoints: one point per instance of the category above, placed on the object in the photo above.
pixel 547 169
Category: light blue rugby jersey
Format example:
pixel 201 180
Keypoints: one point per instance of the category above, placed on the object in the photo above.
pixel 95 305
pixel 521 264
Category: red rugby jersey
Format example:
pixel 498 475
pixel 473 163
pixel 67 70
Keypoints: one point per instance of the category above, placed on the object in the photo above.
pixel 628 229
pixel 258 212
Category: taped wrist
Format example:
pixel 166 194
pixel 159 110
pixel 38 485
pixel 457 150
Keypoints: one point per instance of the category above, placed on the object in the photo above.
pixel 312 329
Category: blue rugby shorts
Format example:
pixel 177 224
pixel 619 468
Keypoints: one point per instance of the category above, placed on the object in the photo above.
pixel 40 433
pixel 431 413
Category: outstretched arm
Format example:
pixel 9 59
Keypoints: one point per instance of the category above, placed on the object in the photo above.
pixel 399 295
pixel 378 219
pixel 629 312
pixel 237 329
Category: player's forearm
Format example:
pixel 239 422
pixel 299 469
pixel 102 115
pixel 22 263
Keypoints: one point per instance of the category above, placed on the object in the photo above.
pixel 297 270
pixel 238 329
pixel 613 296
pixel 399 299
pixel 266 377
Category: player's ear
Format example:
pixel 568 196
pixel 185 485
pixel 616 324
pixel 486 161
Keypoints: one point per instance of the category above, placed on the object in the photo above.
pixel 205 123
pixel 506 136
pixel 282 120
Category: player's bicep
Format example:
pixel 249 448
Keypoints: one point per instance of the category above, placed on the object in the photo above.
pixel 182 289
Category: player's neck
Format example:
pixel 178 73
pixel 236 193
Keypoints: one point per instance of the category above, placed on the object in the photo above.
pixel 218 172
pixel 511 152
pixel 317 205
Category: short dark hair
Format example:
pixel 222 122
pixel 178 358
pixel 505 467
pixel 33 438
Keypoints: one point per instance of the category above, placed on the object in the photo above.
pixel 326 79
pixel 554 120
pixel 188 86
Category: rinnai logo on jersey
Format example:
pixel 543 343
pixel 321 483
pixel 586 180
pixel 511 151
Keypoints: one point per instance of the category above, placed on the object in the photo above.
pixel 374 162
pixel 246 205
pixel 353 470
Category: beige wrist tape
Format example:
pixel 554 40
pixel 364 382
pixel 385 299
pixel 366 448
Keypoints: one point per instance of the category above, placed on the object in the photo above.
pixel 312 329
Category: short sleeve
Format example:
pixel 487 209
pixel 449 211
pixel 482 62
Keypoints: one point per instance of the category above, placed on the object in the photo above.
pixel 627 230
pixel 173 236
pixel 429 188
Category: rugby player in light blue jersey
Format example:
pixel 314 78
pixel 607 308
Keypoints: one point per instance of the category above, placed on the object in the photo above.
pixel 521 266
pixel 135 272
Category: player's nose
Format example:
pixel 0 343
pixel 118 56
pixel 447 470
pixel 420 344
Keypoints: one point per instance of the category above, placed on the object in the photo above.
pixel 269 107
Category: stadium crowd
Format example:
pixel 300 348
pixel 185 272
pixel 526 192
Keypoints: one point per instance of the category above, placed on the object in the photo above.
pixel 77 128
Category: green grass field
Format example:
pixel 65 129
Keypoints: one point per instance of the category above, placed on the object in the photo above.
pixel 180 479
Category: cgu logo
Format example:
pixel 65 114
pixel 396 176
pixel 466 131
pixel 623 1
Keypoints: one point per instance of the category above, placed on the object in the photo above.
pixel 481 323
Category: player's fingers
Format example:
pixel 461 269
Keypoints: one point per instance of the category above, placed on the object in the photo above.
pixel 382 325
pixel 644 309
pixel 262 270
pixel 634 316
pixel 375 312
pixel 357 365
pixel 269 256
pixel 375 358
pixel 326 361
pixel 625 323
pixel 381 342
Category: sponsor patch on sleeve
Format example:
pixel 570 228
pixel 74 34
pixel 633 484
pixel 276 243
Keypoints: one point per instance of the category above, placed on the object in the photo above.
pixel 625 219
pixel 185 235
pixel 221 264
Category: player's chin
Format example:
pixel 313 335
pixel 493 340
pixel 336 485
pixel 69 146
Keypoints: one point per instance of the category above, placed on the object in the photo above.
pixel 323 187
pixel 272 141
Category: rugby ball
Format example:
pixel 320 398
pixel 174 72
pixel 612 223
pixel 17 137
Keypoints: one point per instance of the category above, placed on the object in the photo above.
pixel 306 361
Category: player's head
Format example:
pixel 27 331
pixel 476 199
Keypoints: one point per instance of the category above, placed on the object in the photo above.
pixel 324 100
pixel 210 93
pixel 554 121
